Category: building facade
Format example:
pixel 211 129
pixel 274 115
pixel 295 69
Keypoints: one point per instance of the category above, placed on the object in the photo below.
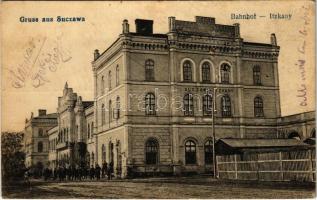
pixel 68 140
pixel 36 138
pixel 158 98
pixel 154 94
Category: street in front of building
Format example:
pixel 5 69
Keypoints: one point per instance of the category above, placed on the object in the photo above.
pixel 172 187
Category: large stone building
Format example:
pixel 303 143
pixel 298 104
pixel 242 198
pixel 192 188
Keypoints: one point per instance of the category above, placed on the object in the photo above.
pixel 154 96
pixel 162 86
pixel 68 141
pixel 36 138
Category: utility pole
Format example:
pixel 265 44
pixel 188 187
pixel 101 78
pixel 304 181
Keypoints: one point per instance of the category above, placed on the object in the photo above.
pixel 213 131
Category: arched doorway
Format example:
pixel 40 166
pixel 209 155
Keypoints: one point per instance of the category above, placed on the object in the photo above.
pixel 119 158
pixel 111 152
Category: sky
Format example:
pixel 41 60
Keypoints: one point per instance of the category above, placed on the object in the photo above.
pixel 64 50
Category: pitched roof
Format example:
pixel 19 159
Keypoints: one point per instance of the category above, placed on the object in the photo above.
pixel 250 143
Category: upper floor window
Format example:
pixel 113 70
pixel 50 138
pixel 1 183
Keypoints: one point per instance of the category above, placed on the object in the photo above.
pixel 150 104
pixel 187 71
pixel 40 132
pixel 40 147
pixel 207 104
pixel 205 72
pixel 66 137
pixel 88 131
pixel 151 152
pixel 117 110
pixel 92 129
pixel 110 110
pixel 109 80
pixel 149 70
pixel 102 85
pixel 188 105
pixel 258 107
pixel 256 75
pixel 103 114
pixel 208 152
pixel 226 106
pixel 190 152
pixel 225 73
pixel 117 75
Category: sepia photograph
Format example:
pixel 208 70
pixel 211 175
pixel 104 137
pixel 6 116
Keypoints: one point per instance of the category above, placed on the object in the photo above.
pixel 158 100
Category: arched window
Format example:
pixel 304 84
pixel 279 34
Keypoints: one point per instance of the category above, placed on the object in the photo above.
pixel 40 132
pixel 64 136
pixel 313 133
pixel 109 80
pixel 205 72
pixel 92 129
pixel 190 152
pixel 225 73
pixel 187 71
pixel 103 114
pixel 117 111
pixel 88 130
pixel 110 110
pixel 103 153
pixel 207 104
pixel 117 75
pixel 226 106
pixel 149 70
pixel 102 85
pixel 40 147
pixel 258 107
pixel 66 139
pixel 188 105
pixel 151 152
pixel 208 152
pixel 149 104
pixel 294 135
pixel 256 75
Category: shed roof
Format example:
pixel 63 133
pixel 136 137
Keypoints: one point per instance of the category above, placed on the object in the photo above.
pixel 241 145
pixel 249 143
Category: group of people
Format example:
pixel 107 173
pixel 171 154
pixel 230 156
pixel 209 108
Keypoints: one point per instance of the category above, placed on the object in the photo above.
pixel 73 173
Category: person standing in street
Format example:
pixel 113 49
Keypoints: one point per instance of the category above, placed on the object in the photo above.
pixel 97 171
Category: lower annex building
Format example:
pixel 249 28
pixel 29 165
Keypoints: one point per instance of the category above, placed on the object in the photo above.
pixel 154 95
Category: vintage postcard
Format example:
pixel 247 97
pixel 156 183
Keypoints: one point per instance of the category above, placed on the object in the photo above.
pixel 158 99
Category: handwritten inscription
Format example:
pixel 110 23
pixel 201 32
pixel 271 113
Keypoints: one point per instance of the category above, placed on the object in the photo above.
pixel 300 63
pixel 41 57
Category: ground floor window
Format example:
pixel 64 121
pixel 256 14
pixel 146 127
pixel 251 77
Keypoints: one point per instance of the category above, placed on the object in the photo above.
pixel 190 152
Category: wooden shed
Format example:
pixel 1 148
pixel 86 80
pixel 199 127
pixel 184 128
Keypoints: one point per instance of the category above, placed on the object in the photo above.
pixel 265 159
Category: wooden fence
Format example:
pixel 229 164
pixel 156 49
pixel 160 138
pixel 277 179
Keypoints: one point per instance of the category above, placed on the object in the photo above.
pixel 276 166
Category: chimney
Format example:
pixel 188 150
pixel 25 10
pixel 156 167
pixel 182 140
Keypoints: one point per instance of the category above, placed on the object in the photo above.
pixel 42 112
pixel 205 20
pixel 125 26
pixel 144 26
pixel 96 54
pixel 236 30
pixel 171 24
pixel 273 39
